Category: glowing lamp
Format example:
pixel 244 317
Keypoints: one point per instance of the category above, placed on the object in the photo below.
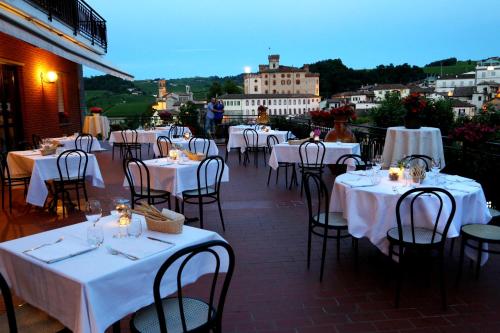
pixel 49 77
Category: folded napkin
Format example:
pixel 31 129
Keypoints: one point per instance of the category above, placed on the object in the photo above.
pixel 359 182
pixel 357 172
pixel 141 247
pixel 171 215
pixel 53 252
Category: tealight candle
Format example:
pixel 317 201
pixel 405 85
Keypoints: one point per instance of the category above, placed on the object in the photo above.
pixel 124 220
pixel 173 154
pixel 394 173
pixel 316 138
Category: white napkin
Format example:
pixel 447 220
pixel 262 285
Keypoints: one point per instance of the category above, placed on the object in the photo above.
pixel 359 182
pixel 170 214
pixel 141 247
pixel 54 252
pixel 357 172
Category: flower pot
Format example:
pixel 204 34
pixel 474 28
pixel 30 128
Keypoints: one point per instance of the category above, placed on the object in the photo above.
pixel 340 131
pixel 412 121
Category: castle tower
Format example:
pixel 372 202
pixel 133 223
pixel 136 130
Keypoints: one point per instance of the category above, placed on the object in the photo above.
pixel 162 88
pixel 274 61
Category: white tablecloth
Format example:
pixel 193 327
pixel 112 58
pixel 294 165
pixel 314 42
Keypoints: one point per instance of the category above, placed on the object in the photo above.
pixel 96 124
pixel 401 142
pixel 44 168
pixel 371 211
pixel 184 145
pixel 143 136
pixel 68 142
pixel 91 291
pixel 175 177
pixel 236 139
pixel 284 152
pixel 240 128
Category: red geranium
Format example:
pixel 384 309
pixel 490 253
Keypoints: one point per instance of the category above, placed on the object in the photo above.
pixel 473 133
pixel 95 109
pixel 414 103
pixel 327 118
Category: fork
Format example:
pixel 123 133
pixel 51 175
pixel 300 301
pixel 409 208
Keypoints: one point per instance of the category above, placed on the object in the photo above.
pixel 46 244
pixel 116 252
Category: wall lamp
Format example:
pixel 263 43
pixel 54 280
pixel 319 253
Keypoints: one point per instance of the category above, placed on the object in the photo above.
pixel 49 77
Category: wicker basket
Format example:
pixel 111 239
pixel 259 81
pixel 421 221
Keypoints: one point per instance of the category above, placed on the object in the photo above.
pixel 165 226
pixel 194 156
pixel 296 142
pixel 48 151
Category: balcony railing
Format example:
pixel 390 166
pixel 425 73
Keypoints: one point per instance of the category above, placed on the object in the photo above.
pixel 77 15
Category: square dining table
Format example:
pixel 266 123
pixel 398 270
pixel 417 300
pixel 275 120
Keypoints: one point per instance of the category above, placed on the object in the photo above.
pixel 89 292
pixel 43 168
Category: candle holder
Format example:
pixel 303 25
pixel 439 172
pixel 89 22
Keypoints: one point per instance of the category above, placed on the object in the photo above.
pixel 124 213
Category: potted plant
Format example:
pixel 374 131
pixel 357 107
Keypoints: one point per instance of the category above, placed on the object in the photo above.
pixel 414 104
pixel 341 132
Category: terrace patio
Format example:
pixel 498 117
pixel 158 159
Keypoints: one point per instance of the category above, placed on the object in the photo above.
pixel 272 290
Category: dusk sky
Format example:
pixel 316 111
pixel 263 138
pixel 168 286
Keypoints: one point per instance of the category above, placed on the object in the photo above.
pixel 184 38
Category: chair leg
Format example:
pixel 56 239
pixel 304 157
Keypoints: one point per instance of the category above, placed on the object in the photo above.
pixel 200 208
pixel 227 155
pixel 277 174
pixel 442 279
pixel 3 196
pixel 323 254
pixel 220 213
pixel 85 192
pixel 77 190
pixel 286 176
pixel 10 199
pixel 309 247
pixel 269 175
pixel 479 255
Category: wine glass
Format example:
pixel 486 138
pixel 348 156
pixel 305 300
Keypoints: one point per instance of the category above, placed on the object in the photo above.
pixel 93 211
pixel 435 169
pixel 377 162
pixel 95 235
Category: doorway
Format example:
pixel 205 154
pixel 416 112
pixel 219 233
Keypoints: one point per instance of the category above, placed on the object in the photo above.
pixel 11 122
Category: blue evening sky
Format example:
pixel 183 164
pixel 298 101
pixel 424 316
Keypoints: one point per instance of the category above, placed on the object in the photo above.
pixel 181 38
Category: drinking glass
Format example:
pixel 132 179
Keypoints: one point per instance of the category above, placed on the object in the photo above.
pixel 134 229
pixel 95 235
pixel 377 162
pixel 93 211
pixel 435 169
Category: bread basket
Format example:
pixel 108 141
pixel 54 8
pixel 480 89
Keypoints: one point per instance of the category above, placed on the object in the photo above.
pixel 166 221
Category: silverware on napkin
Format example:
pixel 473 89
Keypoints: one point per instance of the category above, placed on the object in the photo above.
pixel 116 252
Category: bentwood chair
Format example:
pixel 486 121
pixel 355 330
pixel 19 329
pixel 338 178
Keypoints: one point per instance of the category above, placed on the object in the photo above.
pixel 175 131
pixel 72 170
pixel 180 313
pixel 164 144
pixel 10 182
pixel 84 142
pixel 199 145
pixel 409 238
pixel 321 221
pixel 37 141
pixel 209 177
pixel 252 145
pixel 272 140
pixel 423 160
pixel 131 144
pixel 343 161
pixel 24 318
pixel 312 156
pixel 139 183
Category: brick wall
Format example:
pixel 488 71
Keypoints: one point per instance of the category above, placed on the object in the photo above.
pixel 39 99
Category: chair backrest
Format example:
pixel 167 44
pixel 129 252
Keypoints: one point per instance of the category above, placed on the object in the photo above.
pixel 210 172
pixel 137 175
pixel 251 138
pixel 172 132
pixel 9 305
pixel 317 196
pixel 343 161
pixel 199 145
pixel 4 168
pixel 215 249
pixel 271 141
pixel 164 144
pixel 422 160
pixel 72 164
pixel 129 136
pixel 84 142
pixel 37 141
pixel 312 154
pixel 425 193
pixel 289 135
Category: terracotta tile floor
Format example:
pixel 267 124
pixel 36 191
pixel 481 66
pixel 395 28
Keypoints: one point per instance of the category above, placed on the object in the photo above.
pixel 272 290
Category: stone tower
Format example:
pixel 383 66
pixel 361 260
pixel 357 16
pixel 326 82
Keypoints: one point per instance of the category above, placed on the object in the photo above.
pixel 162 88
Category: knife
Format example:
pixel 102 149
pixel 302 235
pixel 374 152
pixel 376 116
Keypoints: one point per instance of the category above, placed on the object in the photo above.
pixel 160 240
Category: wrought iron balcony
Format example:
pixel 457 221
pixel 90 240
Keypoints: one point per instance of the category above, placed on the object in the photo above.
pixel 77 15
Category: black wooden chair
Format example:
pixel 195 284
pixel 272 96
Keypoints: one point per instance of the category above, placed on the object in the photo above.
pixel 321 221
pixel 410 238
pixel 131 144
pixel 164 144
pixel 72 169
pixel 423 160
pixel 24 318
pixel 10 182
pixel 272 140
pixel 252 145
pixel 181 313
pixel 342 163
pixel 139 183
pixel 174 132
pixel 199 145
pixel 36 140
pixel 209 177
pixel 312 156
pixel 84 142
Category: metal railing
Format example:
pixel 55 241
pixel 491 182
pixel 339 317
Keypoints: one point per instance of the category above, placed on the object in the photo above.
pixel 77 15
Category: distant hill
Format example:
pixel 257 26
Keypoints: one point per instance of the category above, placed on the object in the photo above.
pixel 458 68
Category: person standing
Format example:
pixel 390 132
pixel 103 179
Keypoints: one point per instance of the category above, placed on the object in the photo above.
pixel 209 118
pixel 219 112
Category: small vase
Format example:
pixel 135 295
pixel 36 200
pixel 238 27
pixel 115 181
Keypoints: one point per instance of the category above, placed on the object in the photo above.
pixel 412 121
pixel 340 131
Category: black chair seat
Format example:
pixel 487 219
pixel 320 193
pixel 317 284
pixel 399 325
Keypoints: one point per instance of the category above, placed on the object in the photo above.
pixel 334 220
pixel 31 320
pixel 195 311
pixel 485 232
pixel 422 236
pixel 154 193
pixel 203 191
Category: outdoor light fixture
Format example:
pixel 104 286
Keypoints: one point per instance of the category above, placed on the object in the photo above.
pixel 49 77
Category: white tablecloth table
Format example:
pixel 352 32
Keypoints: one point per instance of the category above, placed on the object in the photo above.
pixel 174 177
pixel 371 210
pixel 143 136
pixel 91 291
pixel 285 152
pixel 236 139
pixel 44 168
pixel 68 142
pixel 401 142
pixel 96 124
pixel 184 145
pixel 240 128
